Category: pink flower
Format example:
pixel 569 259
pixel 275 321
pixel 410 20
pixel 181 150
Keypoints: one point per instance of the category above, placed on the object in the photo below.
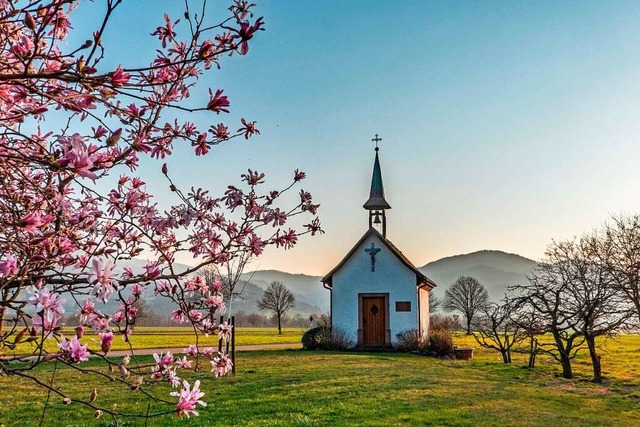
pixel 298 175
pixel 46 322
pixel 119 78
pixel 178 316
pixel 102 274
pixel 34 220
pixel 188 399
pixel 220 131
pixel 218 102
pixel 9 266
pixel 106 338
pixel 217 285
pixel 192 350
pixel 225 331
pixel 73 351
pixel 221 365
pixel 184 363
pixel 47 301
pixel 166 33
pixel 208 351
pixel 173 378
pixel 249 129
pixel 163 360
pixel 246 32
pixel 195 316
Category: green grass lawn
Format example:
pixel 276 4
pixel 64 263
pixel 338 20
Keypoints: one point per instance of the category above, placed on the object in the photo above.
pixel 177 336
pixel 284 388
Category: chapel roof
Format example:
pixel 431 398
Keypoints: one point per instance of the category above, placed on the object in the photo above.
pixel 422 280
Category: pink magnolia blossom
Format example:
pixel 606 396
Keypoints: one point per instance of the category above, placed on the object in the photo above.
pixel 184 363
pixel 102 274
pixel 8 267
pixel 119 78
pixel 225 331
pixel 208 351
pixel 173 378
pixel 73 351
pixel 106 338
pixel 221 365
pixel 192 350
pixel 178 316
pixel 188 399
pixel 218 102
pixel 47 301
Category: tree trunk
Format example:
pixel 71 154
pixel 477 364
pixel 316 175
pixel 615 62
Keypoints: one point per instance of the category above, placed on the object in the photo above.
pixel 279 324
pixel 533 352
pixel 565 361
pixel 595 359
pixel 506 356
pixel 468 325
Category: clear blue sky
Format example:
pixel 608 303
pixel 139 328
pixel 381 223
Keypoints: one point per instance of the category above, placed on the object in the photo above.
pixel 505 123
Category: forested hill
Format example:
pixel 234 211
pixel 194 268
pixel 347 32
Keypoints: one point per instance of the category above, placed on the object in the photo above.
pixel 494 269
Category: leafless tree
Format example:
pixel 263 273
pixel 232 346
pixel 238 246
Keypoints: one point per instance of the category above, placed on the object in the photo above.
pixel 532 327
pixel 229 274
pixel 468 296
pixel 278 299
pixel 495 328
pixel 601 307
pixel 547 294
pixel 574 295
pixel 435 303
pixel 622 234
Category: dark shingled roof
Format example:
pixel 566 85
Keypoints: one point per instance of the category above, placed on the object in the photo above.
pixel 421 279
pixel 376 196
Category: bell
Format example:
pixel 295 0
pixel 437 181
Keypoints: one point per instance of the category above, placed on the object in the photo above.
pixel 376 218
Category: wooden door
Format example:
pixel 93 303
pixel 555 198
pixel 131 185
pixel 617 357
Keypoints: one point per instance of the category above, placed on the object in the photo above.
pixel 374 315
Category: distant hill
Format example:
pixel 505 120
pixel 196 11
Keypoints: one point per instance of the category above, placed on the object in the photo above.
pixel 309 292
pixel 494 269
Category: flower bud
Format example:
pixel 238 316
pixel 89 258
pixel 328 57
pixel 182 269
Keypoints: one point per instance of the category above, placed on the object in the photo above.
pixel 29 21
pixel 94 395
pixel 79 331
pixel 98 413
pixel 66 401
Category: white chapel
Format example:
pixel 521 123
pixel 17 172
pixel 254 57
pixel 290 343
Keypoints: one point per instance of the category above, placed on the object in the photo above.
pixel 376 292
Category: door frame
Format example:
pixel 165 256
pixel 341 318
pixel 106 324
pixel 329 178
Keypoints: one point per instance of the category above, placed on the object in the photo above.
pixel 387 329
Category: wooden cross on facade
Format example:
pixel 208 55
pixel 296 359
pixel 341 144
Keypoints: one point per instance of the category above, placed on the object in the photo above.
pixel 372 251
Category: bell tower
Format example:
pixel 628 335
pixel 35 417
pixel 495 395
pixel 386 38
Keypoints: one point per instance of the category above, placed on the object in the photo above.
pixel 377 205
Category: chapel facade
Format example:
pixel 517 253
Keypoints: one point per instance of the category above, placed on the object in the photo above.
pixel 376 292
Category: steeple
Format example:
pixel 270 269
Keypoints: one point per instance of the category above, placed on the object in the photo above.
pixel 376 205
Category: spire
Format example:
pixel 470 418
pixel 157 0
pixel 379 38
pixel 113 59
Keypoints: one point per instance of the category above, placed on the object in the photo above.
pixel 376 195
pixel 377 205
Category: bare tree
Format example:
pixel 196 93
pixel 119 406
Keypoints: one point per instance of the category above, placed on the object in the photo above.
pixel 468 296
pixel 601 308
pixel 495 328
pixel 547 294
pixel 622 234
pixel 229 274
pixel 278 299
pixel 435 303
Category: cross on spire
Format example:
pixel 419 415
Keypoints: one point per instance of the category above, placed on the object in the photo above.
pixel 373 251
pixel 376 139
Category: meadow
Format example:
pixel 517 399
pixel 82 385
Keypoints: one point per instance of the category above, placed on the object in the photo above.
pixel 177 337
pixel 313 388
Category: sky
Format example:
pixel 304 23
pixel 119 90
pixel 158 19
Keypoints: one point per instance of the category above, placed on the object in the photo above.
pixel 505 124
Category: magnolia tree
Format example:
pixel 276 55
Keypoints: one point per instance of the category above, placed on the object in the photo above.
pixel 73 131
